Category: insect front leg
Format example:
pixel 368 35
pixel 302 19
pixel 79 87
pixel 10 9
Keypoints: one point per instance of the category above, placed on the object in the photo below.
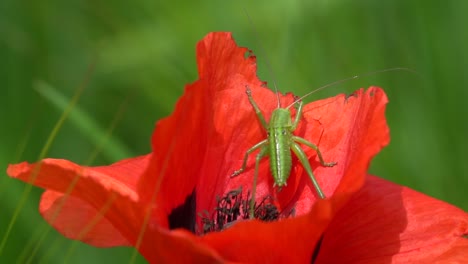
pixel 246 156
pixel 298 116
pixel 256 108
pixel 314 147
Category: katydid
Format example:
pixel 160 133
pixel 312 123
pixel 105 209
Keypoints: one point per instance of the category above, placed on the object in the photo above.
pixel 280 141
pixel 278 145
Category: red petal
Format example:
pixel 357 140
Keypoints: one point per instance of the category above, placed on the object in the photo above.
pixel 349 130
pixel 78 220
pixel 214 124
pixel 193 146
pixel 160 245
pixel 108 190
pixel 386 222
pixel 288 241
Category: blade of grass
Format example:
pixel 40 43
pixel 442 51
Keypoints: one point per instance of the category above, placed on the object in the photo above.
pixel 111 147
pixel 27 189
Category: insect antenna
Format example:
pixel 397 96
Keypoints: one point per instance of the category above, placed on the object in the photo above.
pixel 352 78
pixel 267 62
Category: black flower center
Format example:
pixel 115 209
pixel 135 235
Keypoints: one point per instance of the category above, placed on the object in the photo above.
pixel 235 206
pixel 183 216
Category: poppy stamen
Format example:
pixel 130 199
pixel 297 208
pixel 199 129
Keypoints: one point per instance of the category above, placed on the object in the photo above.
pixel 234 207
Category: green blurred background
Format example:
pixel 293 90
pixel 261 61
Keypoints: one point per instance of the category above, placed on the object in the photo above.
pixel 144 54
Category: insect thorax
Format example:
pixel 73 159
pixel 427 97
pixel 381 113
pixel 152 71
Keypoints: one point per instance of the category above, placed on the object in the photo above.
pixel 280 117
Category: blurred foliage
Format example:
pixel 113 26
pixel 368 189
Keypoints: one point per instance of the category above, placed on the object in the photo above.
pixel 144 54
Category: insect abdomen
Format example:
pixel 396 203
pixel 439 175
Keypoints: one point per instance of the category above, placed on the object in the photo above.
pixel 280 145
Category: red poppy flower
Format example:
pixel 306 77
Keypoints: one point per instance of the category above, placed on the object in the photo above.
pixel 162 202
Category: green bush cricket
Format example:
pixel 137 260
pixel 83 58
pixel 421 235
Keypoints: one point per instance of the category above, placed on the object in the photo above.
pixel 278 145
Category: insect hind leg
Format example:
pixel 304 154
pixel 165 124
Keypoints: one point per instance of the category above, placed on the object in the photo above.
pixel 305 163
pixel 314 147
pixel 263 152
